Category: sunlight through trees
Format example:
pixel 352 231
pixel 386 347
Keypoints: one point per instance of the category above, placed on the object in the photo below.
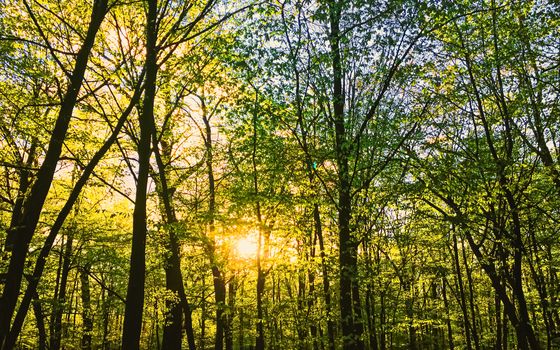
pixel 283 174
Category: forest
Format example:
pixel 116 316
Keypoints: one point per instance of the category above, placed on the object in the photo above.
pixel 280 174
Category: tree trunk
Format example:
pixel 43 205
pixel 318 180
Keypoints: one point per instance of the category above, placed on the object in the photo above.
pixel 326 282
pixel 408 287
pixel 349 300
pixel 499 335
pixel 541 286
pixel 219 283
pixel 260 290
pixel 175 309
pixel 312 295
pixel 230 314
pixel 189 329
pixel 220 299
pixel 132 326
pixel 87 317
pixel 471 297
pixel 451 345
pixel 462 296
pixel 172 330
pixel 300 324
pixel 262 241
pixel 40 319
pixel 60 302
pixel 370 310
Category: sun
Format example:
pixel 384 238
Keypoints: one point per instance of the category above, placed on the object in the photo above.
pixel 246 247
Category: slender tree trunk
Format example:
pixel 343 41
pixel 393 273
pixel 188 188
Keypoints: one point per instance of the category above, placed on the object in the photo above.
pixel 409 309
pixel 325 271
pixel 105 301
pixel 300 324
pixel 40 319
pixel 175 309
pixel 382 322
pixel 87 316
pixel 462 296
pixel 132 326
pixel 542 288
pixel 350 316
pixel 219 282
pixel 241 339
pixel 471 297
pixel 189 329
pixel 172 329
pixel 25 228
pixel 230 314
pixel 370 310
pixel 358 326
pixel 499 335
pixel 220 299
pixel 260 344
pixel 262 239
pixel 450 343
pixel 60 302
pixel 505 330
pixel 312 295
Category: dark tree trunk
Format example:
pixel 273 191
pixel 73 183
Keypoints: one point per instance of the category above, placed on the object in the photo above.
pixel 202 341
pixel 312 295
pixel 499 335
pixel 538 276
pixel 220 299
pixel 300 324
pixel 525 329
pixel 462 296
pixel 468 271
pixel 505 330
pixel 370 310
pixel 260 290
pixel 350 316
pixel 450 343
pixel 132 325
pixel 409 309
pixel 326 282
pixel 60 301
pixel 105 306
pixel 261 246
pixel 230 314
pixel 218 278
pixel 87 317
pixel 172 331
pixel 188 320
pixel 40 319
pixel 25 228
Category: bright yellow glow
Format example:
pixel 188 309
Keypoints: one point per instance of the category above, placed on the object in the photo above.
pixel 246 247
